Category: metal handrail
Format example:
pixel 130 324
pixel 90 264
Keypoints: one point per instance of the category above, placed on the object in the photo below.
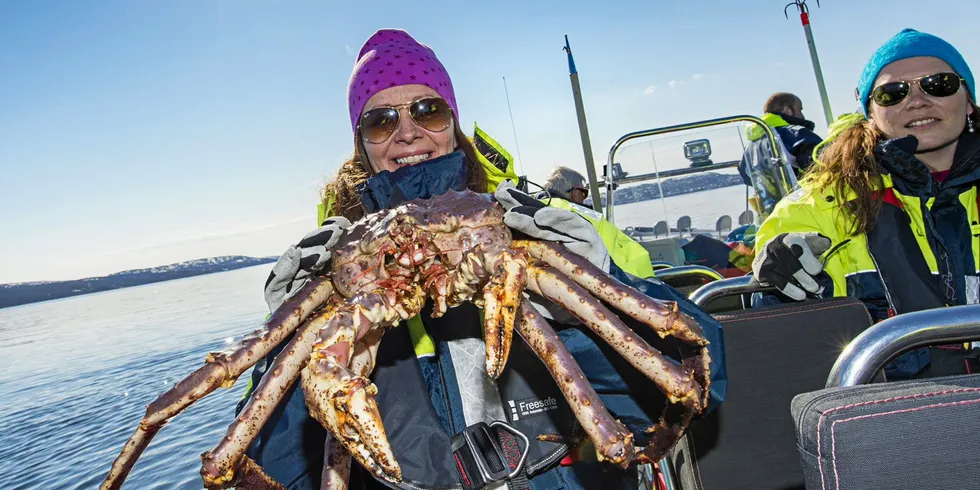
pixel 676 172
pixel 872 349
pixel 689 271
pixel 661 265
pixel 727 287
pixel 770 134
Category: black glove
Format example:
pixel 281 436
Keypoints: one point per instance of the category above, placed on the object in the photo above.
pixel 790 263
pixel 300 262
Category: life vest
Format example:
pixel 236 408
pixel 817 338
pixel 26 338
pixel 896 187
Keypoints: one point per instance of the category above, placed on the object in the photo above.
pixel 495 159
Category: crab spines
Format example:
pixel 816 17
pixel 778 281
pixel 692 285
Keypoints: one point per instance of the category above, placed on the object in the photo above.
pixel 221 463
pixel 501 296
pixel 220 369
pixel 344 404
pixel 676 382
pixel 450 249
pixel 613 441
pixel 664 317
pixel 336 465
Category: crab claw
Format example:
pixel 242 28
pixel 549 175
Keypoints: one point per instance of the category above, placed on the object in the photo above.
pixel 502 296
pixel 344 404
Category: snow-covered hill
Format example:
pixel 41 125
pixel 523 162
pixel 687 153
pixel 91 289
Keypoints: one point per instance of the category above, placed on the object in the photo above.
pixel 31 292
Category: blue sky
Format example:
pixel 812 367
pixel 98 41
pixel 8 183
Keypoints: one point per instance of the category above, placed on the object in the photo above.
pixel 134 134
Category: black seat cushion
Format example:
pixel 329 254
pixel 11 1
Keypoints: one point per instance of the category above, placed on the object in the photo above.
pixel 908 434
pixel 773 354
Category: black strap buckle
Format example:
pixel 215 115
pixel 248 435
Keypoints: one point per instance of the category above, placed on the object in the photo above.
pixel 488 453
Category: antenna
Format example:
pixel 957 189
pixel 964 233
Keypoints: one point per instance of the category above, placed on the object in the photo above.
pixel 805 19
pixel 513 127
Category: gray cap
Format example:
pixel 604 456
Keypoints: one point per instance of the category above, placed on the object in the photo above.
pixel 562 180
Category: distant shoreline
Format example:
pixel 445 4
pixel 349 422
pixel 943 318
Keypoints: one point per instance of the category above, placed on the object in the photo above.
pixel 35 292
pixel 674 187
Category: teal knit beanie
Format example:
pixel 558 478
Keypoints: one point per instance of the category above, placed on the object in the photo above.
pixel 908 44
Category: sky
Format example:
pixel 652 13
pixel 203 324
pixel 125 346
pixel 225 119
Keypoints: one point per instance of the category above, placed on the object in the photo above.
pixel 135 134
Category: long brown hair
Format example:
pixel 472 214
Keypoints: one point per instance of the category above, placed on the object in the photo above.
pixel 848 165
pixel 341 196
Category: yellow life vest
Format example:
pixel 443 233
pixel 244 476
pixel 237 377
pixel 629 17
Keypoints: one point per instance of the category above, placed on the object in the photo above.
pixel 496 161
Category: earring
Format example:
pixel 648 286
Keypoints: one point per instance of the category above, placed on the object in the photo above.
pixel 969 124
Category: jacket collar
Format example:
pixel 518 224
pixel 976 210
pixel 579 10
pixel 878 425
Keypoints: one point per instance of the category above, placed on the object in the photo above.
pixel 912 177
pixel 386 189
pixel 796 121
pixel 777 120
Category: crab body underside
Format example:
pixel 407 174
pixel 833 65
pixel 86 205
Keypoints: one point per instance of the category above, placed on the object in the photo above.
pixel 450 249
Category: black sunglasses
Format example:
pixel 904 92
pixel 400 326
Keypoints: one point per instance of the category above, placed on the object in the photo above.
pixel 432 114
pixel 938 85
pixel 585 192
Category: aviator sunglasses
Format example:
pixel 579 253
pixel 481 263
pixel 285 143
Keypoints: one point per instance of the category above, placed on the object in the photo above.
pixel 938 85
pixel 432 114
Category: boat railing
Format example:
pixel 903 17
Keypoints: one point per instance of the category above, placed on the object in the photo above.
pixel 779 184
pixel 669 274
pixel 868 353
pixel 726 287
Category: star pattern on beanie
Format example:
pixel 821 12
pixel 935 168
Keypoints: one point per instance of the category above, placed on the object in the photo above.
pixel 388 59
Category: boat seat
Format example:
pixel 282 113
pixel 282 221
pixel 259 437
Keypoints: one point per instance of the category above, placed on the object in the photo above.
pixel 904 434
pixel 772 354
pixel 907 434
pixel 746 218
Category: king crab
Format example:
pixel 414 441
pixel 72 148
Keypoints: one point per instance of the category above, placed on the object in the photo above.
pixel 449 249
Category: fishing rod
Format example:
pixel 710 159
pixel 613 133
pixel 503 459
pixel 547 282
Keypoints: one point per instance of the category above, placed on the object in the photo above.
pixel 805 19
pixel 583 128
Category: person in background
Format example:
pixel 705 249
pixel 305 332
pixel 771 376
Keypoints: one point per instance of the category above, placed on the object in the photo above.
pixel 889 213
pixel 565 188
pixel 567 184
pixel 784 113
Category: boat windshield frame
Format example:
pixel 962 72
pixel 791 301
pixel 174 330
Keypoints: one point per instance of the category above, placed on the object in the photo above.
pixel 786 178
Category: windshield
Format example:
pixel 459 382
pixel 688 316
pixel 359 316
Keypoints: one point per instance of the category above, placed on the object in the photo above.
pixel 709 189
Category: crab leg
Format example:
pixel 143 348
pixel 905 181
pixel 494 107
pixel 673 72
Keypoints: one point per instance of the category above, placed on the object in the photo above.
pixel 678 384
pixel 663 316
pixel 665 435
pixel 220 369
pixel 218 464
pixel 251 477
pixel 337 397
pixel 336 458
pixel 613 442
pixel 336 465
pixel 502 296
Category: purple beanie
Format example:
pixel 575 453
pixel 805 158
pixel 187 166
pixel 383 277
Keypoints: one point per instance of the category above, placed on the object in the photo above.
pixel 390 58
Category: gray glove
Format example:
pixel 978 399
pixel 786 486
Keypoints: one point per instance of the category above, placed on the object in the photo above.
pixel 790 263
pixel 537 220
pixel 300 262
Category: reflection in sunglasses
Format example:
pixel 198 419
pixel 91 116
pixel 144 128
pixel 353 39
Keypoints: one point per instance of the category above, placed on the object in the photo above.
pixel 936 85
pixel 432 114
